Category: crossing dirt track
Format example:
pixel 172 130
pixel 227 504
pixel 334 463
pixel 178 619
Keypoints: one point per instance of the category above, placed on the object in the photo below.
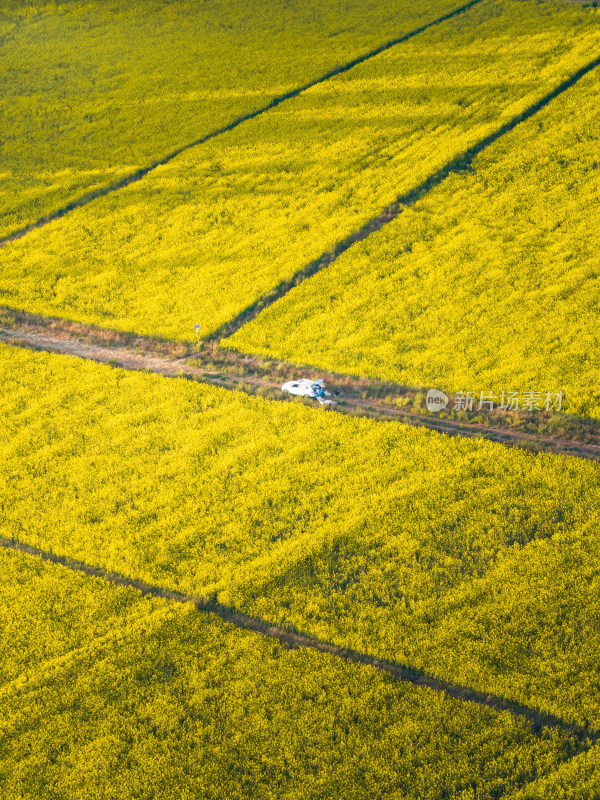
pixel 346 404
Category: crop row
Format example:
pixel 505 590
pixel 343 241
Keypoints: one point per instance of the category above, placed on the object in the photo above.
pixel 202 237
pixel 488 284
pixel 392 540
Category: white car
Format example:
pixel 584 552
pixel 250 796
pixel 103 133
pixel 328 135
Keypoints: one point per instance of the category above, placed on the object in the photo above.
pixel 307 388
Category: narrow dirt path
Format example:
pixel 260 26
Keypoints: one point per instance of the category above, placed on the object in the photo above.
pixel 133 177
pixel 178 367
pixel 537 719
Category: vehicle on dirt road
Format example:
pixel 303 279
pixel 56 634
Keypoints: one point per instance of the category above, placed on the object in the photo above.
pixel 307 388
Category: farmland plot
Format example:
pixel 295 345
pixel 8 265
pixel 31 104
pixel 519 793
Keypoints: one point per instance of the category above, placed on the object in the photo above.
pixel 489 283
pixel 391 540
pixel 201 238
pixel 163 701
pixel 92 92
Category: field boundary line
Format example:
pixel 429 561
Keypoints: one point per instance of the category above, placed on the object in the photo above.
pixel 295 639
pixel 138 174
pixel 458 164
pixel 122 358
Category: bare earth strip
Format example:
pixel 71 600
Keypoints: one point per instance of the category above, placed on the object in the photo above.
pixel 537 719
pixel 126 358
pixel 140 173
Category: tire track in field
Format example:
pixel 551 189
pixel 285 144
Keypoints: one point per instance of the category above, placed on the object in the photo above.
pixel 125 358
pixel 133 177
pixel 458 164
pixel 293 639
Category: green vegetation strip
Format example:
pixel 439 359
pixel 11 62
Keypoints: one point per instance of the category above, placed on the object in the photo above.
pixel 202 238
pixel 387 540
pixel 119 696
pixel 93 93
pixel 487 284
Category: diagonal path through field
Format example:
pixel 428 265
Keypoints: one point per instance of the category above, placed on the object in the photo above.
pixel 458 164
pixel 133 177
pixel 126 358
pixel 537 719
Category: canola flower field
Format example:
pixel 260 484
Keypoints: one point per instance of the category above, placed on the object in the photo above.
pixel 468 562
pixel 91 92
pixel 488 282
pixel 204 236
pixel 390 540
pixel 133 697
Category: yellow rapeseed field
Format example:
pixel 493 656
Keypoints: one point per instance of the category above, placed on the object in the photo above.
pixel 163 701
pixel 488 284
pixel 201 238
pixel 90 92
pixel 470 564
pixel 388 539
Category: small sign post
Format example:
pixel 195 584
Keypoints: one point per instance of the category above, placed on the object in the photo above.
pixel 197 329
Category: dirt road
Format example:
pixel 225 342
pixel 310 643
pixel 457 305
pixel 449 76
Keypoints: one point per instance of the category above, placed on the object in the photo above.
pixel 126 358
